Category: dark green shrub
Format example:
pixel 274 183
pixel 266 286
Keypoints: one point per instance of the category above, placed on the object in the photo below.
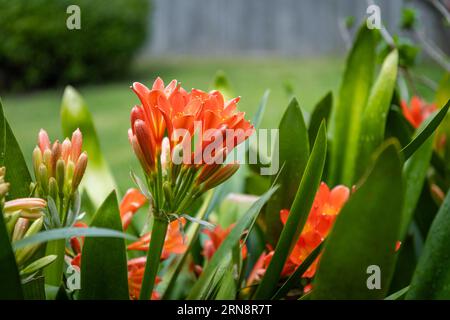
pixel 37 49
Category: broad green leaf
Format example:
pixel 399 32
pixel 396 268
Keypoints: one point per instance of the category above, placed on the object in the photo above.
pixel 297 216
pixel 443 91
pixel 352 99
pixel 227 289
pixel 34 289
pixel 11 157
pixel 98 180
pixel 425 131
pixel 376 112
pixel 293 142
pixel 228 244
pixel 294 278
pixel 321 112
pixel 104 273
pixel 10 288
pixel 66 233
pixel 415 172
pixel 431 279
pixel 364 234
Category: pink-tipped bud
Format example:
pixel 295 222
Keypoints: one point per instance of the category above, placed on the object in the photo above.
pixel 80 168
pixel 56 154
pixel 77 141
pixel 37 161
pixel 66 149
pixel 24 204
pixel 43 140
pixel 138 152
pixel 220 176
pixel 20 229
pixel 137 113
pixel 146 142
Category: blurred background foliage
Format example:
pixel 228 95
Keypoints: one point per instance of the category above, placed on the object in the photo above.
pixel 36 49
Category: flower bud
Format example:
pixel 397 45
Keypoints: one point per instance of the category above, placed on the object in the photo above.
pixel 24 204
pixel 220 176
pixel 43 178
pixel 56 154
pixel 47 160
pixel 77 141
pixel 25 253
pixel 146 142
pixel 53 189
pixel 80 168
pixel 66 149
pixel 43 140
pixel 37 160
pixel 20 229
pixel 60 174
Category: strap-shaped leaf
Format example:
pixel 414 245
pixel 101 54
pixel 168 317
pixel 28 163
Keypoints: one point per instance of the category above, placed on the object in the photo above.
pixel 11 157
pixel 431 279
pixel 293 141
pixel 321 112
pixel 224 250
pixel 352 99
pixel 10 287
pixel 364 234
pixel 375 114
pixel 425 131
pixel 297 216
pixel 104 273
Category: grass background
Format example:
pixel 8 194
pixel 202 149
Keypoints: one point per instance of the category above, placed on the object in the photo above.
pixel 111 103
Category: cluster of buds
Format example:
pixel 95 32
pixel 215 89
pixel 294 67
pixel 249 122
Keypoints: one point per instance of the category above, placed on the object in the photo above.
pixel 23 218
pixel 179 169
pixel 59 168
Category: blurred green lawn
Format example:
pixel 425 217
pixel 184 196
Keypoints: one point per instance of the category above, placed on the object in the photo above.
pixel 110 104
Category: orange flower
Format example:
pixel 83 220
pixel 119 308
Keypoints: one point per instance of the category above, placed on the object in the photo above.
pixel 77 245
pixel 326 206
pixel 174 242
pixel 216 237
pixel 418 111
pixel 136 269
pixel 131 202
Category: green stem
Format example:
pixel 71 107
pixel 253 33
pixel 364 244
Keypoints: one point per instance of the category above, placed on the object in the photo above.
pixel 159 230
pixel 53 273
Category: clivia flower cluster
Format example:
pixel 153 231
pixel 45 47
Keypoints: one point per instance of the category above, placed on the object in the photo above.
pixel 202 129
pixel 59 168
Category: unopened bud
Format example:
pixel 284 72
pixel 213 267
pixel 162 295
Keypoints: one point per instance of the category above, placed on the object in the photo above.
pixel 60 174
pixel 56 154
pixel 37 161
pixel 24 204
pixel 80 168
pixel 220 176
pixel 53 190
pixel 43 178
pixel 20 229
pixel 66 149
pixel 43 140
pixel 77 141
pixel 25 253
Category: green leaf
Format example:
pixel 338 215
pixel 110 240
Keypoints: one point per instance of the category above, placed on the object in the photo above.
pixel 297 216
pixel 10 288
pixel 431 279
pixel 292 158
pixel 65 233
pixel 294 278
pixel 104 273
pixel 364 234
pixel 98 180
pixel 346 117
pixel 198 291
pixel 227 289
pixel 425 131
pixel 375 114
pixel 415 172
pixel 11 157
pixel 321 112
pixel 34 289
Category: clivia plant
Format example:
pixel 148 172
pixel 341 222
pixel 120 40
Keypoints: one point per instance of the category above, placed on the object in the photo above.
pixel 361 184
